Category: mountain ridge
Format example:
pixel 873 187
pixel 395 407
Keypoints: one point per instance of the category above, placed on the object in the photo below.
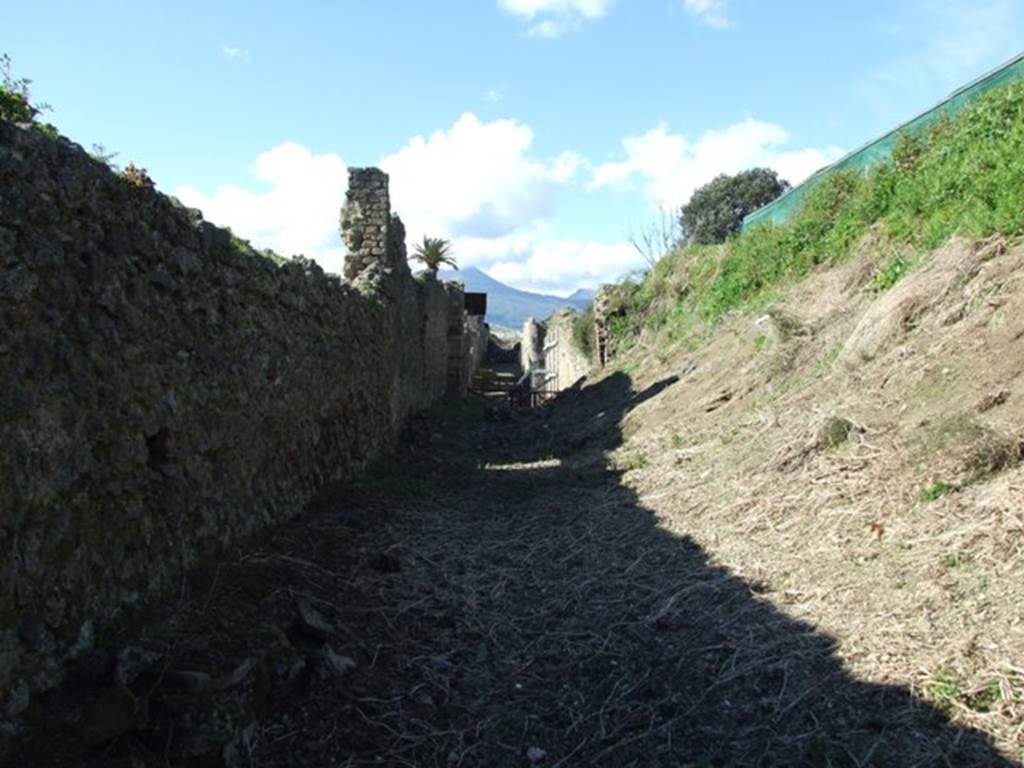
pixel 510 307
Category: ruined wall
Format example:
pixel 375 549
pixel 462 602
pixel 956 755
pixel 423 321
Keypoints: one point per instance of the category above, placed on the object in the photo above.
pixel 478 335
pixel 417 316
pixel 164 390
pixel 531 350
pixel 563 360
pixel 549 353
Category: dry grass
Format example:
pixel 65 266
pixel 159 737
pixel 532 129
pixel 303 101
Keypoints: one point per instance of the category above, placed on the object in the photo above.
pixel 919 591
pixel 682 569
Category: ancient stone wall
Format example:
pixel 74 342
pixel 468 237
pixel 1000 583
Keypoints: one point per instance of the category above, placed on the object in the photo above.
pixel 550 354
pixel 564 361
pixel 531 350
pixel 478 335
pixel 165 390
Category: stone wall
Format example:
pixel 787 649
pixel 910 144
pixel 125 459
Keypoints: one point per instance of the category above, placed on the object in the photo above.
pixel 478 335
pixel 549 353
pixel 531 351
pixel 166 390
pixel 563 360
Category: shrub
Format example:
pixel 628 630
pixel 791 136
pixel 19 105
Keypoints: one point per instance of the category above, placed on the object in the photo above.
pixel 716 210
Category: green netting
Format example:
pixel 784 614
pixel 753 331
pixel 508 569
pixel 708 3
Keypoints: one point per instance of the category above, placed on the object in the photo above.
pixel 879 150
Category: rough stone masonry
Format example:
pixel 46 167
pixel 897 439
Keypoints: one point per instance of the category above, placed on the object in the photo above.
pixel 166 390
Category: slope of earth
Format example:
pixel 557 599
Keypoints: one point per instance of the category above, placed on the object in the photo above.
pixel 855 457
pixel 676 567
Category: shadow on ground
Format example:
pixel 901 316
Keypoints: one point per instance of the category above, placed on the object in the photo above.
pixel 506 601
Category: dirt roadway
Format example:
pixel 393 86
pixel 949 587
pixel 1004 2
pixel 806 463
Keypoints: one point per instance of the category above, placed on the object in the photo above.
pixel 493 597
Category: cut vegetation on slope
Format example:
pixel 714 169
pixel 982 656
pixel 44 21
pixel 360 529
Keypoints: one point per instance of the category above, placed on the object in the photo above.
pixel 847 433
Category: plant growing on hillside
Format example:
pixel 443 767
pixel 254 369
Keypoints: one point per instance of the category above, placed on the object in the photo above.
pixel 15 99
pixel 717 209
pixel 935 491
pixel 894 270
pixel 656 239
pixel 583 332
pixel 433 253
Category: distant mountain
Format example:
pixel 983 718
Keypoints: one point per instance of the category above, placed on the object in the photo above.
pixel 585 295
pixel 509 306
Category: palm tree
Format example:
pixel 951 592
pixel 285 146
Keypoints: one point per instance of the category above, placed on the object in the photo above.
pixel 434 252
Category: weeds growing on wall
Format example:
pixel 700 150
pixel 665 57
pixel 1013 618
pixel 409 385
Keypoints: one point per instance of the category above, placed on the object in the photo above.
pixel 16 102
pixel 583 332
pixel 964 175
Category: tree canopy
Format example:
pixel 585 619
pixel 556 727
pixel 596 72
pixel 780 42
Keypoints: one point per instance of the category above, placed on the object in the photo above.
pixel 716 210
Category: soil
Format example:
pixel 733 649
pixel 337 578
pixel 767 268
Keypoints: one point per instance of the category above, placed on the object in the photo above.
pixel 686 562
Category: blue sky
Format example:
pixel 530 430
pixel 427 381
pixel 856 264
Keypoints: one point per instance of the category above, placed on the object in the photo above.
pixel 538 135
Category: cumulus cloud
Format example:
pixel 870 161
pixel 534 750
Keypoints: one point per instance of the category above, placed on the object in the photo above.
pixel 234 53
pixel 713 13
pixel 552 18
pixel 475 179
pixel 481 185
pixel 296 213
pixel 669 167
pixel 561 265
pixel 476 183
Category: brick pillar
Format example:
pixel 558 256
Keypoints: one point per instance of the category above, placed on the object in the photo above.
pixel 374 237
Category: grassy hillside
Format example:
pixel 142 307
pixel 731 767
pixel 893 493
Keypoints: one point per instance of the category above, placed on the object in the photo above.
pixel 840 418
pixel 964 176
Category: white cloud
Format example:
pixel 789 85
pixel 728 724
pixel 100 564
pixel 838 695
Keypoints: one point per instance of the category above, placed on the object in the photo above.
pixel 480 185
pixel 475 179
pixel 669 167
pixel 493 95
pixel 476 183
pixel 234 53
pixel 563 265
pixel 713 13
pixel 297 213
pixel 552 18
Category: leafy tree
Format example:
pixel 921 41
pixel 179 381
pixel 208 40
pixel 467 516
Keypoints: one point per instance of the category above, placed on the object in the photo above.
pixel 716 210
pixel 433 252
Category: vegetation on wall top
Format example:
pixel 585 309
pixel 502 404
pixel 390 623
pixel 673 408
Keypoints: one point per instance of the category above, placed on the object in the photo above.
pixel 433 253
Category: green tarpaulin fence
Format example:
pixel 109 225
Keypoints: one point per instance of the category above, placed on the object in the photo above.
pixel 879 150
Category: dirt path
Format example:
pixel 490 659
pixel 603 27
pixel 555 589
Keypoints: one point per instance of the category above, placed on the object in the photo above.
pixel 495 597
